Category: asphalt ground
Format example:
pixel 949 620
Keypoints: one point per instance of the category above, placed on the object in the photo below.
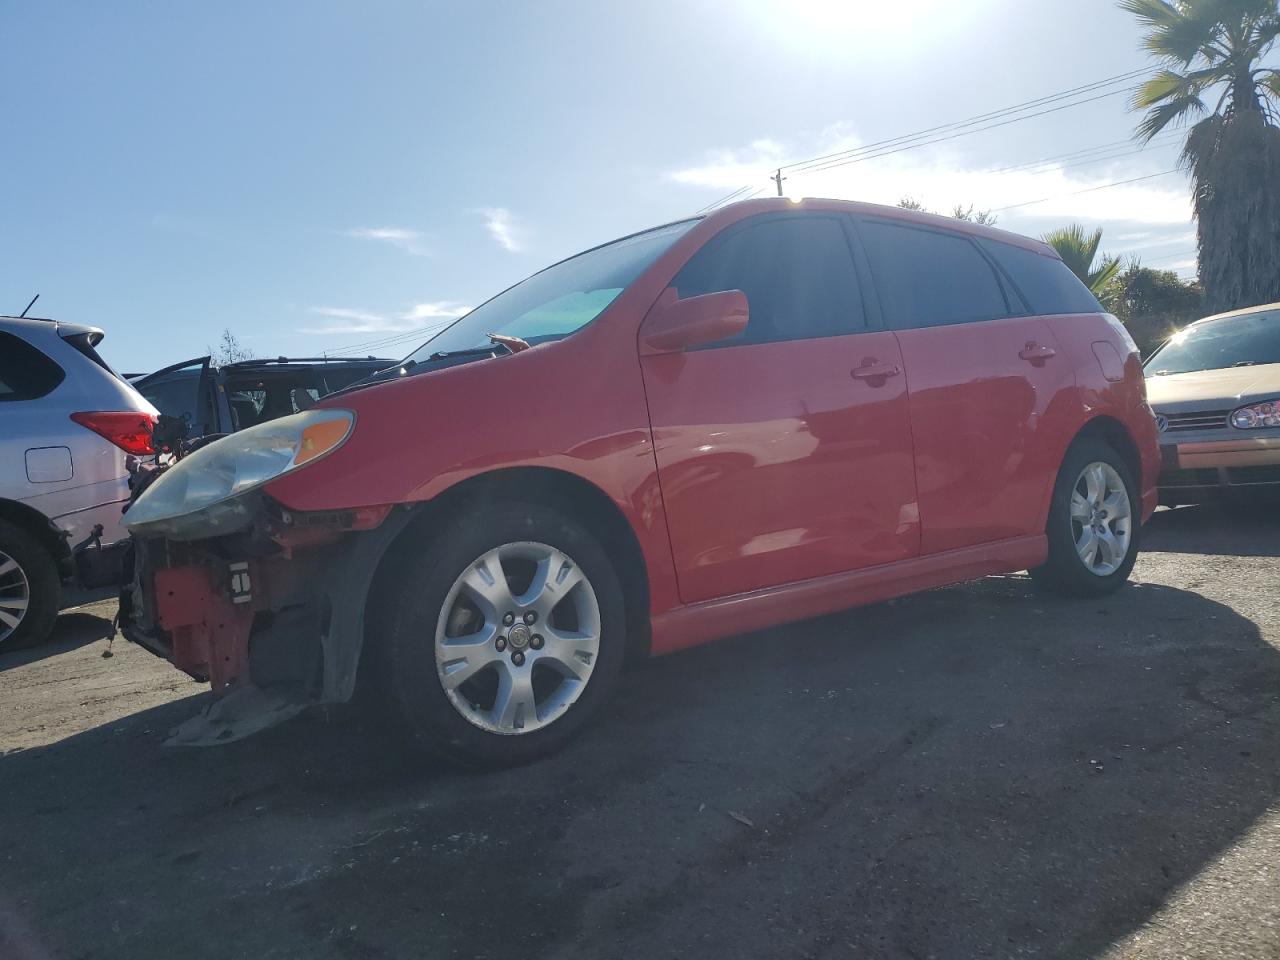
pixel 978 771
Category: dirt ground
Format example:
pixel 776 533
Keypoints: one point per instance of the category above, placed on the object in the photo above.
pixel 973 772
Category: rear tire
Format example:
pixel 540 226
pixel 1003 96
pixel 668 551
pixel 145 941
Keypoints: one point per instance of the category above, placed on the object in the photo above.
pixel 30 589
pixel 529 688
pixel 1094 524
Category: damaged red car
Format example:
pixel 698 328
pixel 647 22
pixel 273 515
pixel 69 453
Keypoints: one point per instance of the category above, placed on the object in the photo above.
pixel 769 413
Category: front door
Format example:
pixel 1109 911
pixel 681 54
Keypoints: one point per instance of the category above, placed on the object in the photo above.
pixel 990 391
pixel 784 454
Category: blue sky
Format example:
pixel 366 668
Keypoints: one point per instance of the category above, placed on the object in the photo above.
pixel 317 175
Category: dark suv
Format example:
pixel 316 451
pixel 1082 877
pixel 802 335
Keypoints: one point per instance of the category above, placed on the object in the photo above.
pixel 225 399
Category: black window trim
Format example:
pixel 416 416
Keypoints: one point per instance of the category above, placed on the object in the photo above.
pixel 1003 283
pixel 57 371
pixel 1026 301
pixel 861 273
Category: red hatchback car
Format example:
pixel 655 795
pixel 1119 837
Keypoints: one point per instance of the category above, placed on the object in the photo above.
pixel 773 412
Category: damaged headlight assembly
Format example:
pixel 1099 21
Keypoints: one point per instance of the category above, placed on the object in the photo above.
pixel 202 495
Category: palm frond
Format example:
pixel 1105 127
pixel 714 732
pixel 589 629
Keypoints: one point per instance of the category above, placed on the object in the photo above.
pixel 1158 117
pixel 1270 83
pixel 1104 274
pixel 1076 248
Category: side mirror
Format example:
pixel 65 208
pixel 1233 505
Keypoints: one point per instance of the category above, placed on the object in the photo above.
pixel 674 324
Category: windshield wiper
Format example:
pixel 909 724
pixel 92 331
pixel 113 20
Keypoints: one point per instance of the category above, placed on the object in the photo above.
pixel 1247 363
pixel 469 352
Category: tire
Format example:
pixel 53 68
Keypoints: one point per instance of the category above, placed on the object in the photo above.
pixel 447 622
pixel 30 589
pixel 1066 572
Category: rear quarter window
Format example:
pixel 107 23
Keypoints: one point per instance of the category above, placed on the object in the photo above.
pixel 26 373
pixel 1046 283
pixel 930 278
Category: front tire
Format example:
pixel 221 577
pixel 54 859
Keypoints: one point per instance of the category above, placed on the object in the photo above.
pixel 1094 525
pixel 507 634
pixel 30 590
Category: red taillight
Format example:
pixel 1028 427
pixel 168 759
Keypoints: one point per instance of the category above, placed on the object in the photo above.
pixel 128 430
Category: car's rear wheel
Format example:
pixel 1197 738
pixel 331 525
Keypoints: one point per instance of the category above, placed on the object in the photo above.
pixel 1094 523
pixel 507 635
pixel 29 589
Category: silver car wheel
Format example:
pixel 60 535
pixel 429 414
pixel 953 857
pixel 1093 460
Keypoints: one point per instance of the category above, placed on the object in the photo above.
pixel 517 638
pixel 1101 519
pixel 15 596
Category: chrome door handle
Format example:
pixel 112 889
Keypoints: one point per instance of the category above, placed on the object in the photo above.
pixel 873 369
pixel 1036 353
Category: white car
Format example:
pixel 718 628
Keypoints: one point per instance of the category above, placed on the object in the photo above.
pixel 67 425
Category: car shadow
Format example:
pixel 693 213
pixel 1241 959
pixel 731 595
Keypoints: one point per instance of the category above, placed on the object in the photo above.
pixel 975 771
pixel 72 630
pixel 1210 528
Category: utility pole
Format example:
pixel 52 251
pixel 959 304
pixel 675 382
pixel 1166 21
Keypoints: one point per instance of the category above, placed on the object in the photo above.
pixel 778 178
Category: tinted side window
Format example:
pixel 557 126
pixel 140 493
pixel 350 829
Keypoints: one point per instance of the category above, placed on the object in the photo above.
pixel 1047 284
pixel 177 395
pixel 928 278
pixel 25 372
pixel 797 273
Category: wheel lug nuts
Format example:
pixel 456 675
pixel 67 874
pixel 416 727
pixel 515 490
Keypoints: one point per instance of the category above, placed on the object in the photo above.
pixel 501 644
pixel 536 641
pixel 508 619
pixel 517 658
pixel 530 617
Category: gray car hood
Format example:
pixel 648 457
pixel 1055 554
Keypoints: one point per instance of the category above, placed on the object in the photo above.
pixel 1214 389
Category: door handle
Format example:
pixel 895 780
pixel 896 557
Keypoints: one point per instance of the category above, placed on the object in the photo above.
pixel 873 370
pixel 1036 353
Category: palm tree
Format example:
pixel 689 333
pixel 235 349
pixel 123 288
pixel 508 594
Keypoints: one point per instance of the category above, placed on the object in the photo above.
pixel 1214 48
pixel 1079 250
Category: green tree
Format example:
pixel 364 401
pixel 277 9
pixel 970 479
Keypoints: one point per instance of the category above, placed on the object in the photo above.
pixel 1153 304
pixel 1212 51
pixel 1079 251
pixel 984 217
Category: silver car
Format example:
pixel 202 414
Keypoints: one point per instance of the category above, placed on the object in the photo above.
pixel 67 425
pixel 1215 390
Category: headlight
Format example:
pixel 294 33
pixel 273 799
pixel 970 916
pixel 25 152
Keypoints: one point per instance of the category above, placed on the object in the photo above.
pixel 1265 414
pixel 201 495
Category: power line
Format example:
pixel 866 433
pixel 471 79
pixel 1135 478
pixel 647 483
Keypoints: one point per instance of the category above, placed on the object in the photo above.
pixel 1076 193
pixel 420 333
pixel 902 142
pixel 977 120
pixel 1105 151
pixel 952 136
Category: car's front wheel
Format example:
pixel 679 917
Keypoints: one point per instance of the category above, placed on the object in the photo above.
pixel 1095 518
pixel 507 635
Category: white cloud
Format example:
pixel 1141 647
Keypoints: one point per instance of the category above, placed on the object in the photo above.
pixel 410 241
pixel 502 227
pixel 942 177
pixel 345 320
pixel 723 169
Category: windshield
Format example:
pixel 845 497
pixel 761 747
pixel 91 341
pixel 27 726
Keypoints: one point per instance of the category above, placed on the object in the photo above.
pixel 1230 342
pixel 559 300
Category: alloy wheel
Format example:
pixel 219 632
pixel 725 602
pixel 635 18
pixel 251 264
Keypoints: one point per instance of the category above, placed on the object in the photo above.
pixel 15 596
pixel 517 638
pixel 1101 519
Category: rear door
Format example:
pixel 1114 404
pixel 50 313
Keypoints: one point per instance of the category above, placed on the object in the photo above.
pixel 184 390
pixel 784 454
pixel 987 384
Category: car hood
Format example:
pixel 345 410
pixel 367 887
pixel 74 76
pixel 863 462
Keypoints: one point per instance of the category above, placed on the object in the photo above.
pixel 1215 389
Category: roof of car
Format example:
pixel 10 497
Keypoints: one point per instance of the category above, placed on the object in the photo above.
pixel 766 204
pixel 1260 308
